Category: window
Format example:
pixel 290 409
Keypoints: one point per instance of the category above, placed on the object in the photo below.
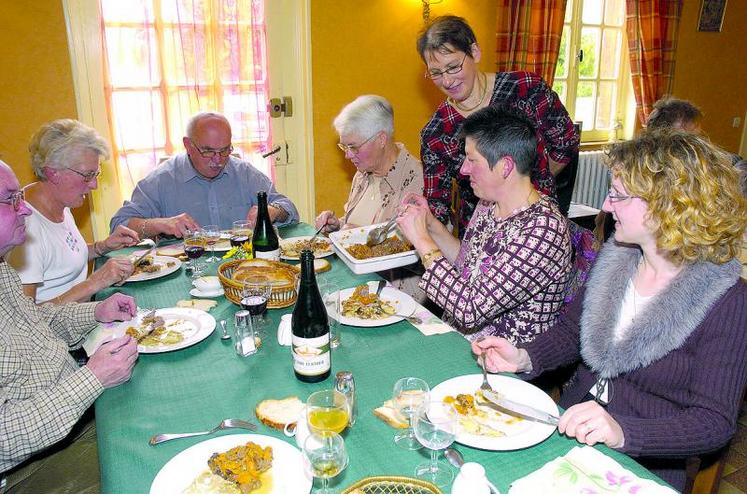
pixel 592 77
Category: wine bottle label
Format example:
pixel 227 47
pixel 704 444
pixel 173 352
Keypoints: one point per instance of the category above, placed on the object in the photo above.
pixel 272 255
pixel 311 356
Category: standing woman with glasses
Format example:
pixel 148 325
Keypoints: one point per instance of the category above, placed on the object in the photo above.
pixel 658 334
pixel 53 262
pixel 451 54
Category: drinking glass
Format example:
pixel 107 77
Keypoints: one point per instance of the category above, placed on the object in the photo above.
pixel 327 412
pixel 212 235
pixel 256 291
pixel 331 296
pixel 410 395
pixel 194 247
pixel 326 457
pixel 241 233
pixel 435 428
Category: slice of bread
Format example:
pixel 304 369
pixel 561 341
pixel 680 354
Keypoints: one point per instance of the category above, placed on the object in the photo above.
pixel 389 415
pixel 197 303
pixel 278 413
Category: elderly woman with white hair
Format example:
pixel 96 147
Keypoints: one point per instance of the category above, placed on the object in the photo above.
pixel 387 172
pixel 53 262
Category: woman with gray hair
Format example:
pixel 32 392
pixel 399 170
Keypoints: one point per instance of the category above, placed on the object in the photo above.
pixel 53 262
pixel 386 170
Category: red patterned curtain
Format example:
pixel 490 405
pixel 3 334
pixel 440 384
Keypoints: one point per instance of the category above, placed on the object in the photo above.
pixel 528 36
pixel 652 41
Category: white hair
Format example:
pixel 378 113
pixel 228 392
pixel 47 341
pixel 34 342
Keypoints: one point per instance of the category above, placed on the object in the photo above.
pixel 59 142
pixel 366 116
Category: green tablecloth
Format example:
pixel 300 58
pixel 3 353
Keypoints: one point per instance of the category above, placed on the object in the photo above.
pixel 194 388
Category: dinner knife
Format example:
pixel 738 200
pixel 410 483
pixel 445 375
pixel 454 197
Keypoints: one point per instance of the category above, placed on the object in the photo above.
pixel 521 409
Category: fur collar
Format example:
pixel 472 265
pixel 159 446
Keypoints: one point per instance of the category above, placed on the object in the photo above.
pixel 665 323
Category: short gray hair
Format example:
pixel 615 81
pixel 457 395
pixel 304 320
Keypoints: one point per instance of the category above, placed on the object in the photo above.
pixel 192 123
pixel 57 143
pixel 365 116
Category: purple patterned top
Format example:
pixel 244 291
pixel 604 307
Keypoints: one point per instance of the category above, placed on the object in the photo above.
pixel 510 275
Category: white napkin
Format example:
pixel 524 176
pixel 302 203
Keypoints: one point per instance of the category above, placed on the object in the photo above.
pixel 103 333
pixel 285 336
pixel 584 470
pixel 431 324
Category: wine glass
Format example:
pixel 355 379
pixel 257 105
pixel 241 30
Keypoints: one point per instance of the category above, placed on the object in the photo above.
pixel 327 412
pixel 435 428
pixel 256 291
pixel 241 233
pixel 331 296
pixel 326 457
pixel 194 247
pixel 212 235
pixel 410 394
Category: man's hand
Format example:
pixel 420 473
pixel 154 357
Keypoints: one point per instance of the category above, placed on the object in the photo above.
pixel 329 220
pixel 251 216
pixel 114 271
pixel 120 237
pixel 177 226
pixel 118 307
pixel 112 363
pixel 590 424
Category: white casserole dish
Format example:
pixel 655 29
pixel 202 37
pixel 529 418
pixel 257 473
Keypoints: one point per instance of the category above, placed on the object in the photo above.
pixel 344 238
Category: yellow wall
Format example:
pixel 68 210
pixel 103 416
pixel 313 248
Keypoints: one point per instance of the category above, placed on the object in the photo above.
pixel 36 83
pixel 369 47
pixel 711 71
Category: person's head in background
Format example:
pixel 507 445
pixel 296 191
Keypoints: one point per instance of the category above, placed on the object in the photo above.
pixel 673 113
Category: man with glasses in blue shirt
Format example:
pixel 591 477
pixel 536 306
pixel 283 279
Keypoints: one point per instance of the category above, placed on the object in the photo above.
pixel 204 186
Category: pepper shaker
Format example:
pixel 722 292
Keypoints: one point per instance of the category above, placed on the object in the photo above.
pixel 345 384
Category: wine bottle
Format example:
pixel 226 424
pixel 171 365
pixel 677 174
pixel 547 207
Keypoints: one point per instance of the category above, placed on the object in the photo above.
pixel 312 359
pixel 265 240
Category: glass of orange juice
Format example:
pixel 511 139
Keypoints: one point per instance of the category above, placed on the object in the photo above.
pixel 327 411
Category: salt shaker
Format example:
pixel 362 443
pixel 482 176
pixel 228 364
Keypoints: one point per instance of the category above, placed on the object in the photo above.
pixel 244 334
pixel 345 384
pixel 471 479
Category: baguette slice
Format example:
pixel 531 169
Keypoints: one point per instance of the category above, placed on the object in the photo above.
pixel 278 413
pixel 387 413
pixel 197 303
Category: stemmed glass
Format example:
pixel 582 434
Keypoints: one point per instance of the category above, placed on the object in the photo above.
pixel 435 428
pixel 194 247
pixel 241 233
pixel 410 395
pixel 327 412
pixel 212 235
pixel 255 295
pixel 326 456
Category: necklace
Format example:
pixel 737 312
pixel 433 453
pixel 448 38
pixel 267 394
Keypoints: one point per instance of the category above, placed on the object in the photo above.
pixel 483 91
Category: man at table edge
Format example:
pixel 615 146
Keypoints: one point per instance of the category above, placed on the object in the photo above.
pixel 206 185
pixel 43 392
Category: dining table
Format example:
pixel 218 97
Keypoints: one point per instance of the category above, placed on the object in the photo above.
pixel 194 388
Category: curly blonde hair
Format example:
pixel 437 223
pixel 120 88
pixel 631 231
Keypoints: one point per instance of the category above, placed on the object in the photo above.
pixel 59 142
pixel 695 206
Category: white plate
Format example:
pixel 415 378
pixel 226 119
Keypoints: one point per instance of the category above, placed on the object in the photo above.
pixel 402 302
pixel 164 271
pixel 521 434
pixel 194 324
pixel 344 238
pixel 287 241
pixel 288 473
pixel 196 292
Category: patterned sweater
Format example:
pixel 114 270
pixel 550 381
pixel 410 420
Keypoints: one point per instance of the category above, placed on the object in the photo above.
pixel 510 275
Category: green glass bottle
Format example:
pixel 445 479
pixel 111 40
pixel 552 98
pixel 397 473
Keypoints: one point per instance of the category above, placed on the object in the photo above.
pixel 312 357
pixel 265 241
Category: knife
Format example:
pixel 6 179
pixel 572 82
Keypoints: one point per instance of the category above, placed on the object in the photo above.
pixel 521 409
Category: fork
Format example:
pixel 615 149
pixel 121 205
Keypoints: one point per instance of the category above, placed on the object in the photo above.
pixel 224 424
pixel 485 386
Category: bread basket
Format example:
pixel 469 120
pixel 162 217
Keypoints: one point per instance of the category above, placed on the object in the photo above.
pixel 392 485
pixel 284 279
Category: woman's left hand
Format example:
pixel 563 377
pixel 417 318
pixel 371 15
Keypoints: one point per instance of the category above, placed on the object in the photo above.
pixel 413 221
pixel 120 237
pixel 590 424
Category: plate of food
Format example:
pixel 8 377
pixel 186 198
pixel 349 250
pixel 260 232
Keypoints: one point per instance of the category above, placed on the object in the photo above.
pixel 360 306
pixel 361 258
pixel 481 425
pixel 290 248
pixel 236 463
pixel 153 267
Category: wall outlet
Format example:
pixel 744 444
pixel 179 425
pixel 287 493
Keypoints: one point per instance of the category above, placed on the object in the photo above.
pixel 736 122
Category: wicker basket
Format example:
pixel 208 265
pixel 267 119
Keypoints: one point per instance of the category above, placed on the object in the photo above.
pixel 393 485
pixel 283 294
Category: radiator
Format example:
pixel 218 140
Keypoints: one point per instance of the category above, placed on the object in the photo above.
pixel 592 179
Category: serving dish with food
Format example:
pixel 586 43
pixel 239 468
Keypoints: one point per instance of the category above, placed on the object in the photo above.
pixel 484 426
pixel 360 306
pixel 365 259
pixel 152 267
pixel 290 248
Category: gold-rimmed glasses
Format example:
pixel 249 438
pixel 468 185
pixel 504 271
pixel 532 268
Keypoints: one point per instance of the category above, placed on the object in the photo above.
pixel 354 148
pixel 437 74
pixel 14 199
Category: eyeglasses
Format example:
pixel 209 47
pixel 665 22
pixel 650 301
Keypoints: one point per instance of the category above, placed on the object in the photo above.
pixel 87 176
pixel 354 148
pixel 14 199
pixel 615 196
pixel 211 153
pixel 437 74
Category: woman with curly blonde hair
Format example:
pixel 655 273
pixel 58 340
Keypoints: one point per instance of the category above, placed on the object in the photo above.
pixel 659 331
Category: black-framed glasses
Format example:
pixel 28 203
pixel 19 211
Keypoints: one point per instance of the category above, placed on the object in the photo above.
pixel 354 148
pixel 437 74
pixel 615 196
pixel 212 153
pixel 87 176
pixel 14 199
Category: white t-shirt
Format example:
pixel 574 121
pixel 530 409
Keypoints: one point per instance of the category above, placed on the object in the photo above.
pixel 54 255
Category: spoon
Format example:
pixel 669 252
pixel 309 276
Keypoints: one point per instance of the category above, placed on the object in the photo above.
pixel 225 334
pixel 456 459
